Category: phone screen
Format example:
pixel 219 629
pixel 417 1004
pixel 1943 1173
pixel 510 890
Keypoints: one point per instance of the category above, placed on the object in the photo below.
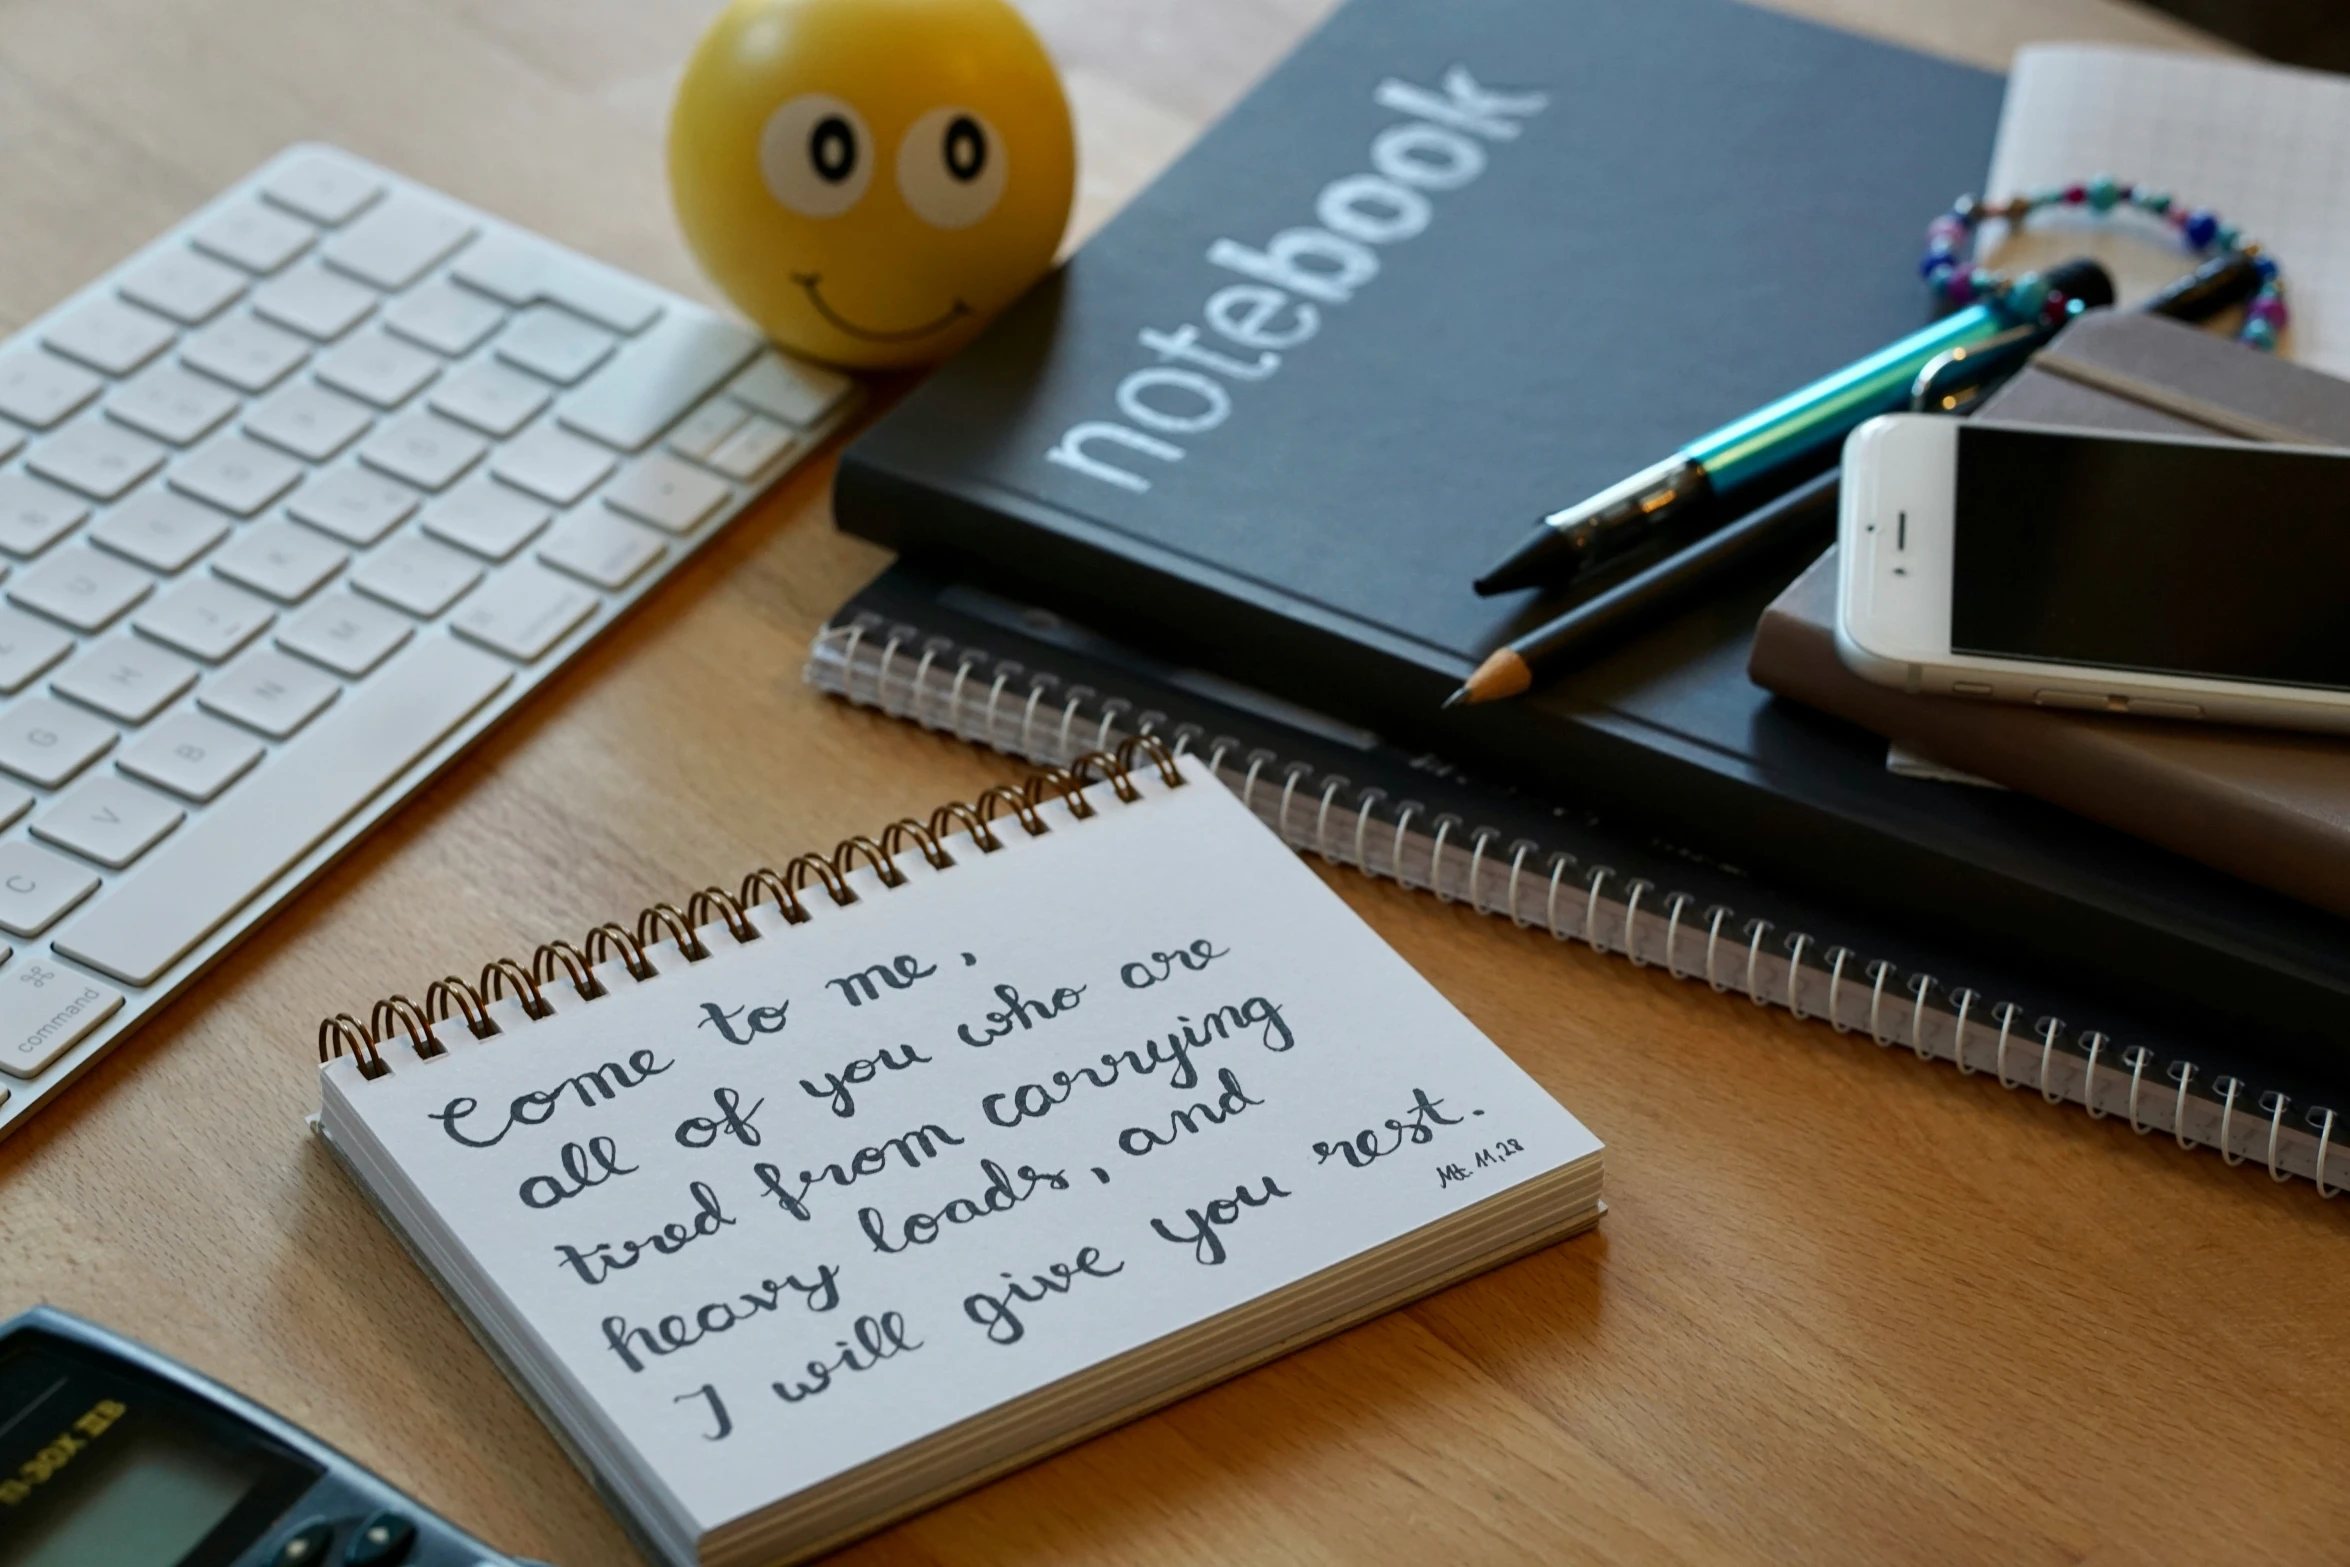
pixel 2231 562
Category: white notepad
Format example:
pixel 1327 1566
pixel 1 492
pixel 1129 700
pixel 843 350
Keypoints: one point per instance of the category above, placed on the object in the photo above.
pixel 2267 147
pixel 836 1221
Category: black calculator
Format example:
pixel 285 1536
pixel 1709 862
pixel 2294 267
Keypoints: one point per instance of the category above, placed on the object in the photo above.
pixel 113 1456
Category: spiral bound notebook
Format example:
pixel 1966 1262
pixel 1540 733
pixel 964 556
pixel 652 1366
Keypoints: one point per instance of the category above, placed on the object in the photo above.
pixel 1028 683
pixel 798 1210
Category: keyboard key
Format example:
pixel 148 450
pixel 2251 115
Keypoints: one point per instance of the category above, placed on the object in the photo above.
pixel 706 426
pixel 217 863
pixel 282 559
pixel 45 1011
pixel 550 464
pixel 444 318
pixel 248 354
pixel 254 236
pixel 354 504
pixel 193 756
pixel 79 586
pixel 555 344
pixel 45 742
pixel 323 186
pixel 657 377
pixel 425 449
pixel 491 398
pixel 601 549
pixel 109 335
pixel 347 634
pixel 523 271
pixel 524 613
pixel 34 515
pixel 183 285
pixel 27 646
pixel 206 617
pixel 172 405
pixel 160 530
pixel 110 820
pixel 236 475
pixel 36 887
pixel 417 575
pixel 797 394
pixel 127 678
pixel 487 518
pixel 97 457
pixel 666 493
pixel 402 239
pixel 760 442
pixel 314 302
pixel 378 369
pixel 268 692
pixel 39 389
pixel 309 421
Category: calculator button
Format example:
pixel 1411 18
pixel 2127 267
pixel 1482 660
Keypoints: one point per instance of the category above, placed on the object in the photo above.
pixel 306 1548
pixel 36 887
pixel 382 1541
pixel 46 1010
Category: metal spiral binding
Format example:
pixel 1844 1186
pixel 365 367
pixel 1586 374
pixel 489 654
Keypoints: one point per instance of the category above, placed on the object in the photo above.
pixel 557 962
pixel 965 692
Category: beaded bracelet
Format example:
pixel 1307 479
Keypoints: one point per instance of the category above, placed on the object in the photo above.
pixel 1950 241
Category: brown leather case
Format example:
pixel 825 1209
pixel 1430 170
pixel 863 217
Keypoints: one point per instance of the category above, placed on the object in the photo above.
pixel 2272 808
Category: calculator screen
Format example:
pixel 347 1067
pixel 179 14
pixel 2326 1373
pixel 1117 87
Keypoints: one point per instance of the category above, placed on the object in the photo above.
pixel 102 1466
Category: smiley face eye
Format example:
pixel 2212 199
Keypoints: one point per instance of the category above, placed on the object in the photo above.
pixel 951 168
pixel 816 155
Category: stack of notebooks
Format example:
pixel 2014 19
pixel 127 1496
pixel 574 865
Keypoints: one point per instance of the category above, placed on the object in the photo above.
pixel 1226 476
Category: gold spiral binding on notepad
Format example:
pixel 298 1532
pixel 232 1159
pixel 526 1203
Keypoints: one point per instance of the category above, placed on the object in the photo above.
pixel 715 909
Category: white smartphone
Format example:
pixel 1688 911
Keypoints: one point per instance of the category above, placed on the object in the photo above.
pixel 2164 577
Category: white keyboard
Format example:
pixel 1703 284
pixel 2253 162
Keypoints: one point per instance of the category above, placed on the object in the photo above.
pixel 294 505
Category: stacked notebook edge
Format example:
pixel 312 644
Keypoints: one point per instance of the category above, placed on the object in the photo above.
pixel 1639 905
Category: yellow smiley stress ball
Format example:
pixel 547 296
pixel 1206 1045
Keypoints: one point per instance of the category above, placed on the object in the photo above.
pixel 870 180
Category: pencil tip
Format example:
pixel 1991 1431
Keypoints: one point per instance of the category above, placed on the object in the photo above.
pixel 1457 698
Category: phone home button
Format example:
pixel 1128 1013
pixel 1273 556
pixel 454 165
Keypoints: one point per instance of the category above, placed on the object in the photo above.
pixel 2148 707
pixel 2083 701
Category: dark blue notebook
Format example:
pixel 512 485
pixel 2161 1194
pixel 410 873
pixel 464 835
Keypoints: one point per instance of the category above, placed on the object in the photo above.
pixel 1531 246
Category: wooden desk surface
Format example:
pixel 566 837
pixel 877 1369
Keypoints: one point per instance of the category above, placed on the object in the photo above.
pixel 1847 1306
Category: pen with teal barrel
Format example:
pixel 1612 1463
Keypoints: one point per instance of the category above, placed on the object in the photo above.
pixel 1681 493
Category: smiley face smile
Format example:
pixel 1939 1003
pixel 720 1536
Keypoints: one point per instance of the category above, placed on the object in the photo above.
pixel 810 284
